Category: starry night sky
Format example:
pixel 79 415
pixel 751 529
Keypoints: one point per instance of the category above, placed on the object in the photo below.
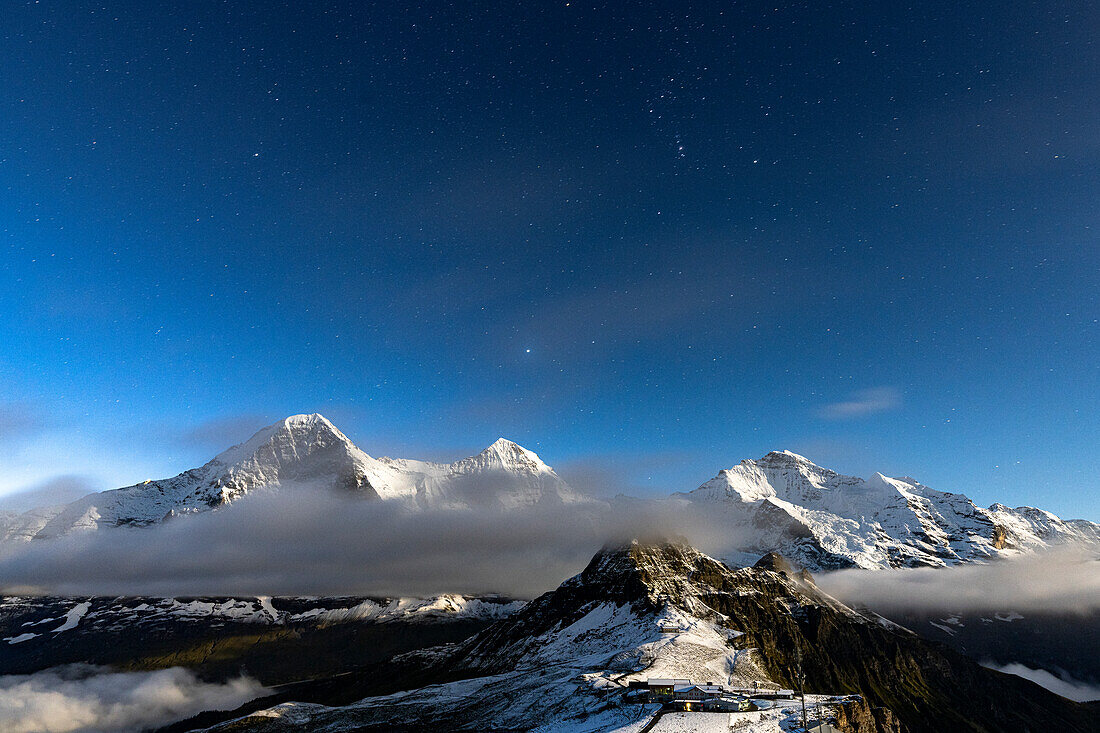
pixel 645 240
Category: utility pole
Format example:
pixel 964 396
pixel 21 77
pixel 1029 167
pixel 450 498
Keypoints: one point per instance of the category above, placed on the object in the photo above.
pixel 801 682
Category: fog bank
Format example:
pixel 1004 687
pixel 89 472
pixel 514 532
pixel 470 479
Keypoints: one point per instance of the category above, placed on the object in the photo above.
pixel 313 542
pixel 1066 687
pixel 82 697
pixel 1062 579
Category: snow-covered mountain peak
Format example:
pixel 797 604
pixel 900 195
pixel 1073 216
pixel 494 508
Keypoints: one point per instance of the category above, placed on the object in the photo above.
pixel 781 458
pixel 885 483
pixel 298 450
pixel 827 520
pixel 781 475
pixel 294 435
pixel 788 462
pixel 504 475
pixel 505 454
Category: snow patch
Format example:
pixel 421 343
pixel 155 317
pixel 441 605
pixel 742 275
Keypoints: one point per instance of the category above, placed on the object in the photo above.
pixel 265 604
pixel 20 639
pixel 1010 616
pixel 72 618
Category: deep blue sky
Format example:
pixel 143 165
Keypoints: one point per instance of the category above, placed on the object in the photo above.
pixel 645 240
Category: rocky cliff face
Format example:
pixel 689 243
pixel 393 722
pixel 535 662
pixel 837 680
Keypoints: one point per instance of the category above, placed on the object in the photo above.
pixel 927 686
pixel 858 716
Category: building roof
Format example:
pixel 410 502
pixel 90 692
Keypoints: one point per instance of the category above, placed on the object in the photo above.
pixel 659 682
pixel 717 689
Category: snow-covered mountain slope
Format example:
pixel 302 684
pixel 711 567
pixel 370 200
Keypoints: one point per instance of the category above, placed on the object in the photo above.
pixel 308 450
pixel 300 449
pixel 22 526
pixel 572 659
pixel 826 520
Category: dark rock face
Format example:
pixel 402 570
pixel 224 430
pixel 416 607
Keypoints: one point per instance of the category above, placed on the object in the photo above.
pixel 775 562
pixel 858 716
pixel 620 577
pixel 1001 538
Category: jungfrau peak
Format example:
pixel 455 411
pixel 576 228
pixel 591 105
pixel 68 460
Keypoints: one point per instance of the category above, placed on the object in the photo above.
pixel 827 520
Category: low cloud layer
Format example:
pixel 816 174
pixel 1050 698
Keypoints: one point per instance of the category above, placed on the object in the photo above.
pixel 1068 688
pixel 86 698
pixel 303 541
pixel 306 541
pixel 1064 579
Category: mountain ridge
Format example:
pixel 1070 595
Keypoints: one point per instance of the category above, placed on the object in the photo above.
pixel 783 501
pixel 307 449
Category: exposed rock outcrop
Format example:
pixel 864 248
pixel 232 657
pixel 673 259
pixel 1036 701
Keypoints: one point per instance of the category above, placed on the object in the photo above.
pixel 857 716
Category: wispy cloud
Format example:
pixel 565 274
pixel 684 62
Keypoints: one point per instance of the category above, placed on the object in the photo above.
pixel 1066 687
pixel 863 402
pixel 632 473
pixel 1064 579
pixel 81 697
pixel 220 433
pixel 54 491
